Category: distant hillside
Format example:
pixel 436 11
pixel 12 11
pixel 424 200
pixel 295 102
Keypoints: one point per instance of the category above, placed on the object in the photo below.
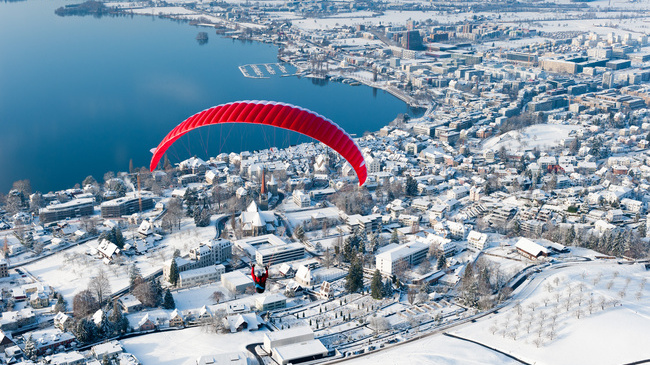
pixel 87 8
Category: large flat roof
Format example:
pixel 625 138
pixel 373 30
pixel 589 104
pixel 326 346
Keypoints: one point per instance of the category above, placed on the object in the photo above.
pixel 300 350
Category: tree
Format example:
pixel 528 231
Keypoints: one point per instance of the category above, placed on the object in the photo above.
pixel 173 273
pixel 411 294
pixel 86 330
pixel 84 303
pixel 442 262
pixel 354 280
pixel 411 187
pixel 30 348
pixel 217 296
pixel 376 286
pixel 299 233
pixel 135 278
pixel 61 305
pixel 100 286
pixel 394 238
pixel 120 323
pixel 168 301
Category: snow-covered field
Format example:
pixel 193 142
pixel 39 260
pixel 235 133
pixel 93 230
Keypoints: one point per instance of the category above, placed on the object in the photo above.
pixel 439 350
pixel 184 346
pixel 538 135
pixel 562 319
pixel 69 271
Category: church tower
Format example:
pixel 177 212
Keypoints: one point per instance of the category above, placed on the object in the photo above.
pixel 264 196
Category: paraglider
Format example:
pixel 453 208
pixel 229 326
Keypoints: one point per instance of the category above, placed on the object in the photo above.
pixel 274 114
pixel 260 278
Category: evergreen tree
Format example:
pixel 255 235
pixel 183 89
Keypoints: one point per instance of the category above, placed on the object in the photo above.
pixel 156 290
pixel 387 289
pixel 106 327
pixel 168 301
pixel 354 280
pixel 394 238
pixel 173 273
pixel 135 277
pixel 642 229
pixel 86 331
pixel 376 286
pixel 442 262
pixel 570 236
pixel 411 188
pixel 120 323
pixel 30 348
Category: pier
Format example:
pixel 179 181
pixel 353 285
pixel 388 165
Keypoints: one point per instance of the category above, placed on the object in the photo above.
pixel 263 70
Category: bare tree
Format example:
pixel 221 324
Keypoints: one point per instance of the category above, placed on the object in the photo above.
pixel 546 300
pixel 494 328
pixel 602 302
pixel 557 297
pixel 532 306
pixel 538 342
pixel 590 304
pixel 578 313
pixel 549 287
pixel 410 295
pixel 100 286
pixel 216 296
pixel 597 279
pixel 327 258
pixel 610 284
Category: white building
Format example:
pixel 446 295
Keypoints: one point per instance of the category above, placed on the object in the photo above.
pixel 531 249
pixel 200 276
pixel 236 281
pixel 401 256
pixel 477 240
pixel 301 199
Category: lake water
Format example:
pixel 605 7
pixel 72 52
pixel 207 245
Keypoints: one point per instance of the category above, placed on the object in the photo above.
pixel 81 96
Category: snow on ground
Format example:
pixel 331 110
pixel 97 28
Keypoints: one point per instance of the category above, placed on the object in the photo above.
pixel 69 271
pixel 193 298
pixel 572 297
pixel 538 135
pixel 168 10
pixel 439 350
pixel 185 346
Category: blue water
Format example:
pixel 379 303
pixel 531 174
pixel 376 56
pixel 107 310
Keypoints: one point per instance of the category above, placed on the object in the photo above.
pixel 82 96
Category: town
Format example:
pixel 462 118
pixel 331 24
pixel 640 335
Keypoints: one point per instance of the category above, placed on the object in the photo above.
pixel 509 220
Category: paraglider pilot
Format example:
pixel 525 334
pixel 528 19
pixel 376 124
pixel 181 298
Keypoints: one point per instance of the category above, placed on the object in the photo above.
pixel 260 278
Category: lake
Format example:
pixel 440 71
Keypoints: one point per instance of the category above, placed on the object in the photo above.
pixel 82 96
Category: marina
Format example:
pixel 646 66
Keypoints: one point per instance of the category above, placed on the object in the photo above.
pixel 257 71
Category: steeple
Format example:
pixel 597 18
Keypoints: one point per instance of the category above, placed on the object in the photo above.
pixel 264 196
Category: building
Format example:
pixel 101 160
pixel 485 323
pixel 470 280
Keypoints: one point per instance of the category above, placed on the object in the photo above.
pixel 4 271
pixel 67 358
pixel 108 349
pixel 234 358
pixel 210 252
pixel 301 199
pixel 271 302
pixel 236 281
pixel 401 257
pixel 279 254
pixel 130 303
pixel 72 209
pixel 531 249
pixel 200 276
pixel 367 223
pixel 476 240
pixel 256 221
pixel 126 206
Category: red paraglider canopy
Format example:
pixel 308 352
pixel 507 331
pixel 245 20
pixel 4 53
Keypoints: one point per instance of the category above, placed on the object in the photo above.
pixel 275 114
